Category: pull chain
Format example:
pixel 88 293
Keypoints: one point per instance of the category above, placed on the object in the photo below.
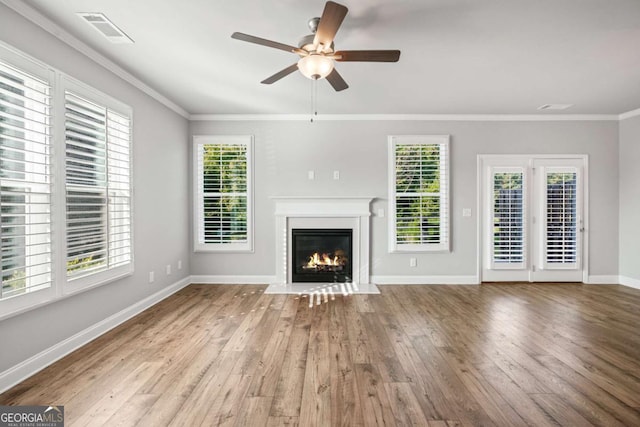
pixel 314 99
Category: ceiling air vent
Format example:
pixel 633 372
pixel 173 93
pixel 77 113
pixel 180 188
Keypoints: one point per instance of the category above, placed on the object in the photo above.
pixel 554 106
pixel 105 27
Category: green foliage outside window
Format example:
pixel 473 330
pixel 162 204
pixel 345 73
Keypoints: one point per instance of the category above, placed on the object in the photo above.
pixel 79 264
pixel 16 284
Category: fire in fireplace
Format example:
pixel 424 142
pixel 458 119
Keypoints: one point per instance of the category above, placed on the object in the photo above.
pixel 321 255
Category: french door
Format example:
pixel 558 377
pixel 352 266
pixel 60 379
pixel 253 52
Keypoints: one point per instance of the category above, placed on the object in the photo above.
pixel 533 218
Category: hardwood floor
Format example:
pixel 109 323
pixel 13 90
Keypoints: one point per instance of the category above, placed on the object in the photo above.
pixel 507 355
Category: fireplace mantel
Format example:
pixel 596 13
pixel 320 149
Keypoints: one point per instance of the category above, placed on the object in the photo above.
pixel 322 212
pixel 322 206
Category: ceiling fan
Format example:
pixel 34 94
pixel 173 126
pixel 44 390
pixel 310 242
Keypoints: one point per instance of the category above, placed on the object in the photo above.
pixel 316 50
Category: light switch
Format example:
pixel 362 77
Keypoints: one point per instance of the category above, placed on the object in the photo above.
pixel 466 212
pixel 381 212
pixel 311 175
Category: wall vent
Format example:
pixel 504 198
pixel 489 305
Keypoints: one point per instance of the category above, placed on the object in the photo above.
pixel 105 27
pixel 554 106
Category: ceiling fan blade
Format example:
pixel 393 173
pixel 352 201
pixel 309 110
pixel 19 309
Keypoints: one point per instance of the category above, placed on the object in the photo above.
pixel 330 21
pixel 336 80
pixel 368 55
pixel 268 43
pixel 280 74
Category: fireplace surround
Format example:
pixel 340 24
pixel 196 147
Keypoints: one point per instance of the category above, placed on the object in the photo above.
pixel 322 213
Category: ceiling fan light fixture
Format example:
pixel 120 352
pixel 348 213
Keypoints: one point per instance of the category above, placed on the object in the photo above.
pixel 317 50
pixel 315 66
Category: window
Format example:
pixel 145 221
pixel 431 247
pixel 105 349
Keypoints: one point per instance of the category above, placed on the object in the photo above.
pixel 97 188
pixel 65 159
pixel 418 193
pixel 508 213
pixel 561 216
pixel 223 182
pixel 25 182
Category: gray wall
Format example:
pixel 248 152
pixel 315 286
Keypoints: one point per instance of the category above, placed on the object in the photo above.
pixel 286 150
pixel 630 198
pixel 161 202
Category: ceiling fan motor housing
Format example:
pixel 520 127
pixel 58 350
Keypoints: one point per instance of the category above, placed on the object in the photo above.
pixel 306 43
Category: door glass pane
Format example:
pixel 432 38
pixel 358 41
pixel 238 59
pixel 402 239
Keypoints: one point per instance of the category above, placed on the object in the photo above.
pixel 561 247
pixel 508 207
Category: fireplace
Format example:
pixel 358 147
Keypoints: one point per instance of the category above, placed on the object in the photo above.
pixel 348 215
pixel 321 255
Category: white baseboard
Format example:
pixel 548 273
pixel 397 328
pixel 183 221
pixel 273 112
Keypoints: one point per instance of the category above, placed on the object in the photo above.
pixel 233 280
pixel 34 364
pixel 425 280
pixel 629 281
pixel 603 280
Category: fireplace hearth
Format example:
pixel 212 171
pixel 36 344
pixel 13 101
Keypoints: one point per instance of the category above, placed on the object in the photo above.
pixel 321 255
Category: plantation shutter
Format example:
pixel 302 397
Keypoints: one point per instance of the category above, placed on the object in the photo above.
pixel 98 187
pixel 25 182
pixel 508 203
pixel 561 220
pixel 223 191
pixel 119 182
pixel 420 193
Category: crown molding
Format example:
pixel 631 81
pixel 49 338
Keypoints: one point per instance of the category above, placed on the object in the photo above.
pixel 56 30
pixel 629 114
pixel 51 27
pixel 405 117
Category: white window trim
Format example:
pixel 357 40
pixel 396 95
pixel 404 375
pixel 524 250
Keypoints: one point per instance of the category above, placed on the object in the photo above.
pixel 60 288
pixel 245 247
pixel 445 215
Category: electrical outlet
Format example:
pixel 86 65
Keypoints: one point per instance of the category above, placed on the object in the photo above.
pixel 466 212
pixel 311 175
pixel 179 264
pixel 168 268
pixel 413 262
pixel 336 175
pixel 152 277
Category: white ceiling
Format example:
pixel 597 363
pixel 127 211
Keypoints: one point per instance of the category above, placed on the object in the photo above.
pixel 458 56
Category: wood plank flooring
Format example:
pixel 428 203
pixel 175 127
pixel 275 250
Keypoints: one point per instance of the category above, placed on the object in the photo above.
pixel 438 356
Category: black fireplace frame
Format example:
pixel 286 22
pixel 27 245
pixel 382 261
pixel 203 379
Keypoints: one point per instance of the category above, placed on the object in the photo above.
pixel 345 276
